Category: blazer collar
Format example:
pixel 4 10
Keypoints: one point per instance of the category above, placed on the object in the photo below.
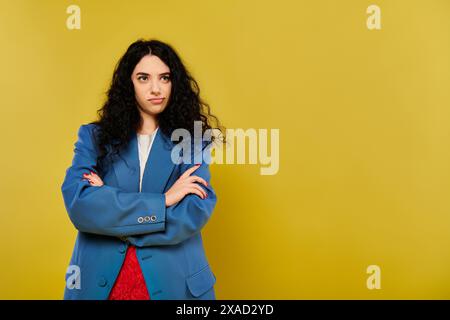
pixel 158 167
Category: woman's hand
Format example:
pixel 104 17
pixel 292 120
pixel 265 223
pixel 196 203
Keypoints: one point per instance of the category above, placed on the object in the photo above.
pixel 94 179
pixel 186 185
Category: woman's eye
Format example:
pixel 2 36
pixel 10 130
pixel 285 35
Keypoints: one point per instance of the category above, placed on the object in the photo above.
pixel 166 78
pixel 142 78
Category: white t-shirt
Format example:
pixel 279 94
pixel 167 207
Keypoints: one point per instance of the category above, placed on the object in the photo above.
pixel 145 142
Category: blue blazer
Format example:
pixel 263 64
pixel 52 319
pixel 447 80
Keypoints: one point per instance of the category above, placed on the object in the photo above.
pixel 108 218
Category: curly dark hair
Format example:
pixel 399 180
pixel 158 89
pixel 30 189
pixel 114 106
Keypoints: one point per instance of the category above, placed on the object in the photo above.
pixel 119 117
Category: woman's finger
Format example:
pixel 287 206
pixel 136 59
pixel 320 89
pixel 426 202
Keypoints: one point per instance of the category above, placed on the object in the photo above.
pixel 93 179
pixel 188 172
pixel 96 178
pixel 196 186
pixel 196 191
pixel 198 179
pixel 98 182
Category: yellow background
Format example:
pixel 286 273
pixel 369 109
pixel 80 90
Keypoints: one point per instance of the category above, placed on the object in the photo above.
pixel 363 115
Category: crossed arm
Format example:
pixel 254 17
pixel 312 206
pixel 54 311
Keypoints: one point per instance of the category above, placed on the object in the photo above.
pixel 110 211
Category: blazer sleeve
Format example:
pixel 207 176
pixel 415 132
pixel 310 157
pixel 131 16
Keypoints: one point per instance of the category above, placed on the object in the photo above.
pixel 185 218
pixel 106 210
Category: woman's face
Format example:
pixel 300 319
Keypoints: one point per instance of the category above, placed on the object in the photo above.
pixel 152 84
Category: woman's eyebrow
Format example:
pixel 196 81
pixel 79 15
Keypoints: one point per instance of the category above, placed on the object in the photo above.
pixel 146 74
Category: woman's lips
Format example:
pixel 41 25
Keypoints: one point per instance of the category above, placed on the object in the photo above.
pixel 156 101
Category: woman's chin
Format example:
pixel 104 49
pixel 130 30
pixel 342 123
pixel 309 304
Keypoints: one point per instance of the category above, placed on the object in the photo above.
pixel 154 109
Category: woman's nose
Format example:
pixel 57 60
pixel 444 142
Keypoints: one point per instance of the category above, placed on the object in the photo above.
pixel 155 89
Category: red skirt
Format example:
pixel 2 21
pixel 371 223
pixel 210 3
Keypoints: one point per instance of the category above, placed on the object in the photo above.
pixel 130 283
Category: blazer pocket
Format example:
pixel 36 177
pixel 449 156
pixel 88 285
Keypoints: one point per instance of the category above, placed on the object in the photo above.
pixel 201 281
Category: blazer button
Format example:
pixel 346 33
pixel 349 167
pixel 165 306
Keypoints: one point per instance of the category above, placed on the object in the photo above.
pixel 140 219
pixel 102 282
pixel 147 218
pixel 153 217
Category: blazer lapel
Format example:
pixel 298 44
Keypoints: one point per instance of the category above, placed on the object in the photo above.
pixel 157 170
pixel 159 164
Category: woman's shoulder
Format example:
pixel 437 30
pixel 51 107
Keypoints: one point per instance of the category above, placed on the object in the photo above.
pixel 88 134
pixel 90 129
pixel 91 126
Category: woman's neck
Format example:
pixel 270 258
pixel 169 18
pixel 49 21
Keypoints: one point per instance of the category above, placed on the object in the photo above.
pixel 148 126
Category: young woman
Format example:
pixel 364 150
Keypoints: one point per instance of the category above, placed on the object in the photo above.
pixel 138 214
